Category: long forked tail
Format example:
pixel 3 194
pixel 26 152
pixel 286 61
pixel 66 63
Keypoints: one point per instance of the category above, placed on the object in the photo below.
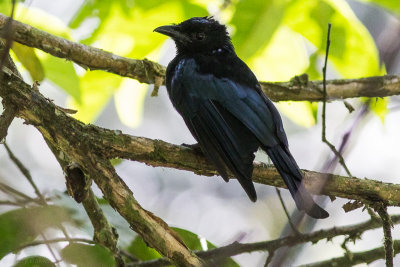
pixel 291 174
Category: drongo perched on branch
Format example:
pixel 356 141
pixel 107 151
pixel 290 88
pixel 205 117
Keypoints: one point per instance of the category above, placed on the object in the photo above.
pixel 224 108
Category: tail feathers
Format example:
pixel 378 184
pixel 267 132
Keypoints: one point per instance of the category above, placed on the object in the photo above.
pixel 244 178
pixel 292 176
pixel 304 201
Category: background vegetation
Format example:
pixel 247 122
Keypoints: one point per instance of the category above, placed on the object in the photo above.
pixel 278 39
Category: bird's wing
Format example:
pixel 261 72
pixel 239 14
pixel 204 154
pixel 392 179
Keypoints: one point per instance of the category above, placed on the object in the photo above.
pixel 246 104
pixel 224 139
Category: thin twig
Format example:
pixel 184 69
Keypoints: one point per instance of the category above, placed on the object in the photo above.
pixel 332 147
pixel 49 248
pixel 356 257
pixel 55 240
pixel 9 110
pixel 387 225
pixel 128 255
pixel 269 258
pixel 9 190
pixel 286 212
pixel 6 119
pixel 26 173
pixel 78 186
pixel 10 203
pixel 346 137
pixel 8 35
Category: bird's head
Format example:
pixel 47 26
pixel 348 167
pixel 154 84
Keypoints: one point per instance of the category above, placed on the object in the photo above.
pixel 197 35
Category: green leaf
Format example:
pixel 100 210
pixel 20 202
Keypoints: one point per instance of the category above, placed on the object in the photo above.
pixel 87 255
pixel 27 56
pixel 116 161
pixel 137 40
pixel 62 73
pixel 59 71
pixel 43 20
pixel 34 261
pixel 5 6
pixel 90 9
pixel 284 57
pixel 314 71
pixel 97 89
pixel 118 11
pixel 352 51
pixel 191 9
pixel 21 226
pixel 379 106
pixel 129 100
pixel 299 112
pixel 193 242
pixel 140 250
pixel 255 23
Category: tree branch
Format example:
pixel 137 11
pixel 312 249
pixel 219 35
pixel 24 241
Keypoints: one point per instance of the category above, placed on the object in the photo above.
pixel 26 173
pixel 387 225
pixel 79 187
pixel 356 257
pixel 6 119
pixel 146 71
pixel 293 240
pixel 154 231
pixel 55 124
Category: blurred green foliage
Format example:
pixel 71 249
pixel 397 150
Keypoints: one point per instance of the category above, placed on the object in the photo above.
pixel 34 261
pixel 21 226
pixel 83 255
pixel 277 38
pixel 140 250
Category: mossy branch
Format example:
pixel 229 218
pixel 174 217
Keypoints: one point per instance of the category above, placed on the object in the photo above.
pixel 32 107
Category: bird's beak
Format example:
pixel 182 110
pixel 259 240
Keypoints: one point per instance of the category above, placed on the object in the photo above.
pixel 173 31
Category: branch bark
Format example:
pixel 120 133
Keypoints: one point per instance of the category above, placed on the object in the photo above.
pixel 146 71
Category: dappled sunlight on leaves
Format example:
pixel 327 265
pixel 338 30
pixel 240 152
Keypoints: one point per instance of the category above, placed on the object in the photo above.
pixel 353 51
pixel 299 112
pixel 97 89
pixel 129 100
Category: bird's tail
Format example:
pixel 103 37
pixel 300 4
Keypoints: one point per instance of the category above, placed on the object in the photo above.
pixel 291 174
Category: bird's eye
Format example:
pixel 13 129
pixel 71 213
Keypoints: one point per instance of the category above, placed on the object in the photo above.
pixel 200 36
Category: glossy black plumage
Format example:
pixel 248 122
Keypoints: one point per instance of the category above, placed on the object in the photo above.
pixel 223 106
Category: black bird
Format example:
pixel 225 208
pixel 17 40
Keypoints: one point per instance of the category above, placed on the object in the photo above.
pixel 223 106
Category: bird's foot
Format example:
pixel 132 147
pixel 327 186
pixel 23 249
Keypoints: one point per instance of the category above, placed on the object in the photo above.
pixel 195 147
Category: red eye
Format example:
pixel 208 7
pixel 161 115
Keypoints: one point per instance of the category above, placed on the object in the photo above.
pixel 200 36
